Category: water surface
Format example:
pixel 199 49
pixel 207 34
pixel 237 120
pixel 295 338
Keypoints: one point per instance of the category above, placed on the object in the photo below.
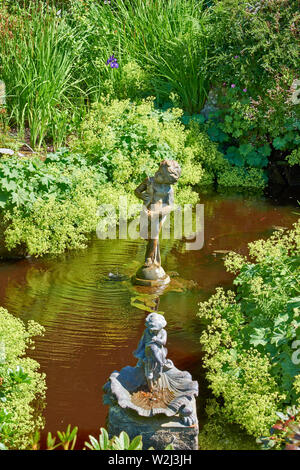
pixel 91 326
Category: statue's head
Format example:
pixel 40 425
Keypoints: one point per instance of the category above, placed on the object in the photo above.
pixel 168 173
pixel 155 321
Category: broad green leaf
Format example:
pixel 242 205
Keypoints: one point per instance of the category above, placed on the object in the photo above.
pixel 136 443
pixel 103 439
pixel 124 440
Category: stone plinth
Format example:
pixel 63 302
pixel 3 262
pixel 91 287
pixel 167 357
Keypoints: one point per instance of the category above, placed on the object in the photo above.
pixel 151 276
pixel 157 431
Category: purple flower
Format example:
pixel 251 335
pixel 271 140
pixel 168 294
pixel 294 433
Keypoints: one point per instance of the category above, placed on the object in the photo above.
pixel 236 56
pixel 224 84
pixel 232 85
pixel 244 90
pixel 112 61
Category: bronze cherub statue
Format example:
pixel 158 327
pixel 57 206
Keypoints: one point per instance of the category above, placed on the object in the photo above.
pixel 158 196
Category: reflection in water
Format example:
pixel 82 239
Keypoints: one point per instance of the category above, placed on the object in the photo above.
pixel 92 324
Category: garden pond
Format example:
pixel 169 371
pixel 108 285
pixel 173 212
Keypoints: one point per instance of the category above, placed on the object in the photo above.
pixel 92 321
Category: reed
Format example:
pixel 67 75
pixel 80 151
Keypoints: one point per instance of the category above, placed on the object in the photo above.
pixel 54 61
pixel 37 60
pixel 167 38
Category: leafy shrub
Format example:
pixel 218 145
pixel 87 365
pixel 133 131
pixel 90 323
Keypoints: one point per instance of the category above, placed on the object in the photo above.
pixel 294 157
pixel 254 65
pixel 128 140
pixel 49 206
pixel 218 434
pixel 246 179
pixel 230 166
pixel 284 433
pixel 24 181
pixel 249 338
pixel 22 387
pixel 252 42
pixel 243 130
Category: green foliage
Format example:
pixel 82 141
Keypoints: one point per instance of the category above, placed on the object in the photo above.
pixel 218 434
pixel 7 140
pixel 67 439
pixel 284 433
pixel 121 442
pixel 253 62
pixel 245 179
pixel 39 80
pixel 205 150
pixel 47 86
pixel 22 387
pixel 172 61
pixel 248 132
pixel 252 42
pixel 116 443
pixel 249 338
pixel 239 167
pixel 24 181
pixel 294 157
pixel 129 140
pixel 231 42
pixel 49 206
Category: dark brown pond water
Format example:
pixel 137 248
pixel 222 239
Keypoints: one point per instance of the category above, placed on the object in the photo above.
pixel 91 326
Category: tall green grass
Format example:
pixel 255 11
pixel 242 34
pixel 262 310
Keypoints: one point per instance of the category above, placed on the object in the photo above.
pixel 167 38
pixel 37 61
pixel 53 62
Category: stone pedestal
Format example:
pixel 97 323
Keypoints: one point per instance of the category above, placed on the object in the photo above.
pixel 157 431
pixel 151 276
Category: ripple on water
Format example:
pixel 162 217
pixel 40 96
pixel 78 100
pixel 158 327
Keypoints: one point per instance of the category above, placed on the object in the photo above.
pixel 91 326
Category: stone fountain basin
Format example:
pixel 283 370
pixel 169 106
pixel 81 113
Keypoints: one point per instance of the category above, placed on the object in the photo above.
pixel 122 385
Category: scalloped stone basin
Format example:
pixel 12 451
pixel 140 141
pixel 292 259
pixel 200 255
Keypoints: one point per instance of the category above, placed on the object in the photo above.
pixel 122 386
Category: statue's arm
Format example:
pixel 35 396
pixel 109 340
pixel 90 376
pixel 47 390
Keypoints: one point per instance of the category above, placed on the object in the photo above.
pixel 161 338
pixel 139 191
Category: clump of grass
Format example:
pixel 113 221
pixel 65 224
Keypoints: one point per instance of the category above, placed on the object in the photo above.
pixel 37 57
pixel 168 39
pixel 54 61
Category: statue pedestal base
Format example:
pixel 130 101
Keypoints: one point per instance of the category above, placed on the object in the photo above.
pixel 151 276
pixel 157 431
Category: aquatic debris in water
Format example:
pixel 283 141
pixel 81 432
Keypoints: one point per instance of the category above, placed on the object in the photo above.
pixel 220 252
pixel 278 227
pixel 116 277
pixel 173 274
